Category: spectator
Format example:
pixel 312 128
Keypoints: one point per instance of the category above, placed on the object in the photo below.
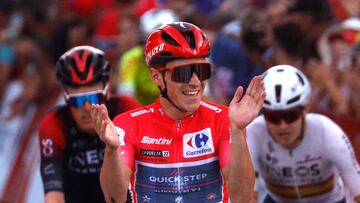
pixel 134 74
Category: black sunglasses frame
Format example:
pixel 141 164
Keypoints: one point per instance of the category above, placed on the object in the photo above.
pixel 184 73
pixel 289 116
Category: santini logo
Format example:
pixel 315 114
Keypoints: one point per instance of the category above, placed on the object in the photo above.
pixel 198 143
pixel 156 141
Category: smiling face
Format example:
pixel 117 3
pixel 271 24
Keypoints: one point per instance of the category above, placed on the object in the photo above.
pixel 81 115
pixel 186 96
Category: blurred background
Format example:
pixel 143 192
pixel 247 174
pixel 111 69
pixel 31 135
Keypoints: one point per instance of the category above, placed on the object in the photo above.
pixel 320 37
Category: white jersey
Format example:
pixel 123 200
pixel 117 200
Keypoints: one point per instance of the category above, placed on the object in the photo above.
pixel 315 171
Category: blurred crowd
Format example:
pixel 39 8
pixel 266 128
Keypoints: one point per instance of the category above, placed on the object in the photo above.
pixel 320 37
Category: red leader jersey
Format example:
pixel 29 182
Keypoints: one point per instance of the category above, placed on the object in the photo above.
pixel 176 160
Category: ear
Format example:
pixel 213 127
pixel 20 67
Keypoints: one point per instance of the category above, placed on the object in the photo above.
pixel 156 76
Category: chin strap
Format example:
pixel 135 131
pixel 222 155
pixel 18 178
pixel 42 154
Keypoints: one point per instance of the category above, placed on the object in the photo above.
pixel 163 93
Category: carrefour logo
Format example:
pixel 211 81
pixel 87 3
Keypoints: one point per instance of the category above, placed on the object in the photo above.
pixel 198 143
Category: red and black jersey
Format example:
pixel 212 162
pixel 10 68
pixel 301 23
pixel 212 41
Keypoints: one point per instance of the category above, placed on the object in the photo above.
pixel 70 158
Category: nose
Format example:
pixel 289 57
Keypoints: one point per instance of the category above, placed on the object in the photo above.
pixel 283 124
pixel 194 80
pixel 87 106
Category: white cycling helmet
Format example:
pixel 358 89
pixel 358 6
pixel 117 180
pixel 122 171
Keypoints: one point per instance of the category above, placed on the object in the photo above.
pixel 153 19
pixel 286 87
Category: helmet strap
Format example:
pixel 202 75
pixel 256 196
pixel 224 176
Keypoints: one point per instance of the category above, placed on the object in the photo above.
pixel 163 93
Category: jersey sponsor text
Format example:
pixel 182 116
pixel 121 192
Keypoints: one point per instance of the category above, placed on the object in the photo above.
pixel 156 141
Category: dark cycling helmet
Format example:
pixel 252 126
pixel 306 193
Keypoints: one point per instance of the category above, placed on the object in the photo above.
pixel 175 41
pixel 82 66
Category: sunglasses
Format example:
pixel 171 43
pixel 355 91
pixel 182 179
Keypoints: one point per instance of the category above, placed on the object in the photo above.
pixel 184 73
pixel 78 100
pixel 289 116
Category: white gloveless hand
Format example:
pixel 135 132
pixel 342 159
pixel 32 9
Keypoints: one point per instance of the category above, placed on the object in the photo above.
pixel 243 110
pixel 103 126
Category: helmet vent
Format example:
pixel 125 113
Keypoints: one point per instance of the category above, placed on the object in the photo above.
pixel 280 70
pixel 203 36
pixel 278 93
pixel 190 38
pixel 294 99
pixel 267 102
pixel 167 38
pixel 300 78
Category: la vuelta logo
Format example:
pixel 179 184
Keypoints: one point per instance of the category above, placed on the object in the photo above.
pixel 198 143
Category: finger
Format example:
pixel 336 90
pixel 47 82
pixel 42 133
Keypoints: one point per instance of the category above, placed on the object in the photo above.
pixel 104 113
pixel 261 100
pixel 96 111
pixel 102 128
pixel 250 87
pixel 93 114
pixel 255 87
pixel 237 95
pixel 93 111
pixel 259 90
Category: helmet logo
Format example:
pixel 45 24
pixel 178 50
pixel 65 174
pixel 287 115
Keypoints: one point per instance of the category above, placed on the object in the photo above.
pixel 181 24
pixel 82 72
pixel 80 60
pixel 154 51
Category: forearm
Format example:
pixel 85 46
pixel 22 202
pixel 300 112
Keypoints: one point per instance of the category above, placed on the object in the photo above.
pixel 336 96
pixel 114 177
pixel 241 173
pixel 54 197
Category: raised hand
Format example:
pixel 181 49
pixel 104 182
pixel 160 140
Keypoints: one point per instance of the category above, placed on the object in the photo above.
pixel 104 126
pixel 243 110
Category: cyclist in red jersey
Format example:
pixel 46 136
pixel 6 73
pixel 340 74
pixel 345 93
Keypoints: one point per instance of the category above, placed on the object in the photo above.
pixel 71 152
pixel 179 148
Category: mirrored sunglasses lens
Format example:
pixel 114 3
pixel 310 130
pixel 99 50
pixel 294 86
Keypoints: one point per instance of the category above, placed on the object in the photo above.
pixel 291 117
pixel 79 101
pixel 184 73
pixel 277 117
pixel 203 71
pixel 272 118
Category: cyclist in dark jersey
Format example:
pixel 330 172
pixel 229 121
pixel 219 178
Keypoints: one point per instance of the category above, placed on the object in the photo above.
pixel 71 152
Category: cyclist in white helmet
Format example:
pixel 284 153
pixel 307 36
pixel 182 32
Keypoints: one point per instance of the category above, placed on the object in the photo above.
pixel 301 156
pixel 134 79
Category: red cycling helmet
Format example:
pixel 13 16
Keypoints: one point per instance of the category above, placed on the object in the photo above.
pixel 82 66
pixel 174 41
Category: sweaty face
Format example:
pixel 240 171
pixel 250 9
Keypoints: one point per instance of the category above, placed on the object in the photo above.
pixel 285 126
pixel 186 95
pixel 80 100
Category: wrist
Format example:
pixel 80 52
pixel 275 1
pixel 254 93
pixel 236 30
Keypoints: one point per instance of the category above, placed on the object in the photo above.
pixel 111 149
pixel 237 131
pixel 237 128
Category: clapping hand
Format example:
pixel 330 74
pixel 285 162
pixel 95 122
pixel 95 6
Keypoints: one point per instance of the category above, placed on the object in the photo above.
pixel 104 126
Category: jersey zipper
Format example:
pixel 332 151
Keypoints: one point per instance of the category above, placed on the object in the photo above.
pixel 296 186
pixel 178 124
pixel 179 148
